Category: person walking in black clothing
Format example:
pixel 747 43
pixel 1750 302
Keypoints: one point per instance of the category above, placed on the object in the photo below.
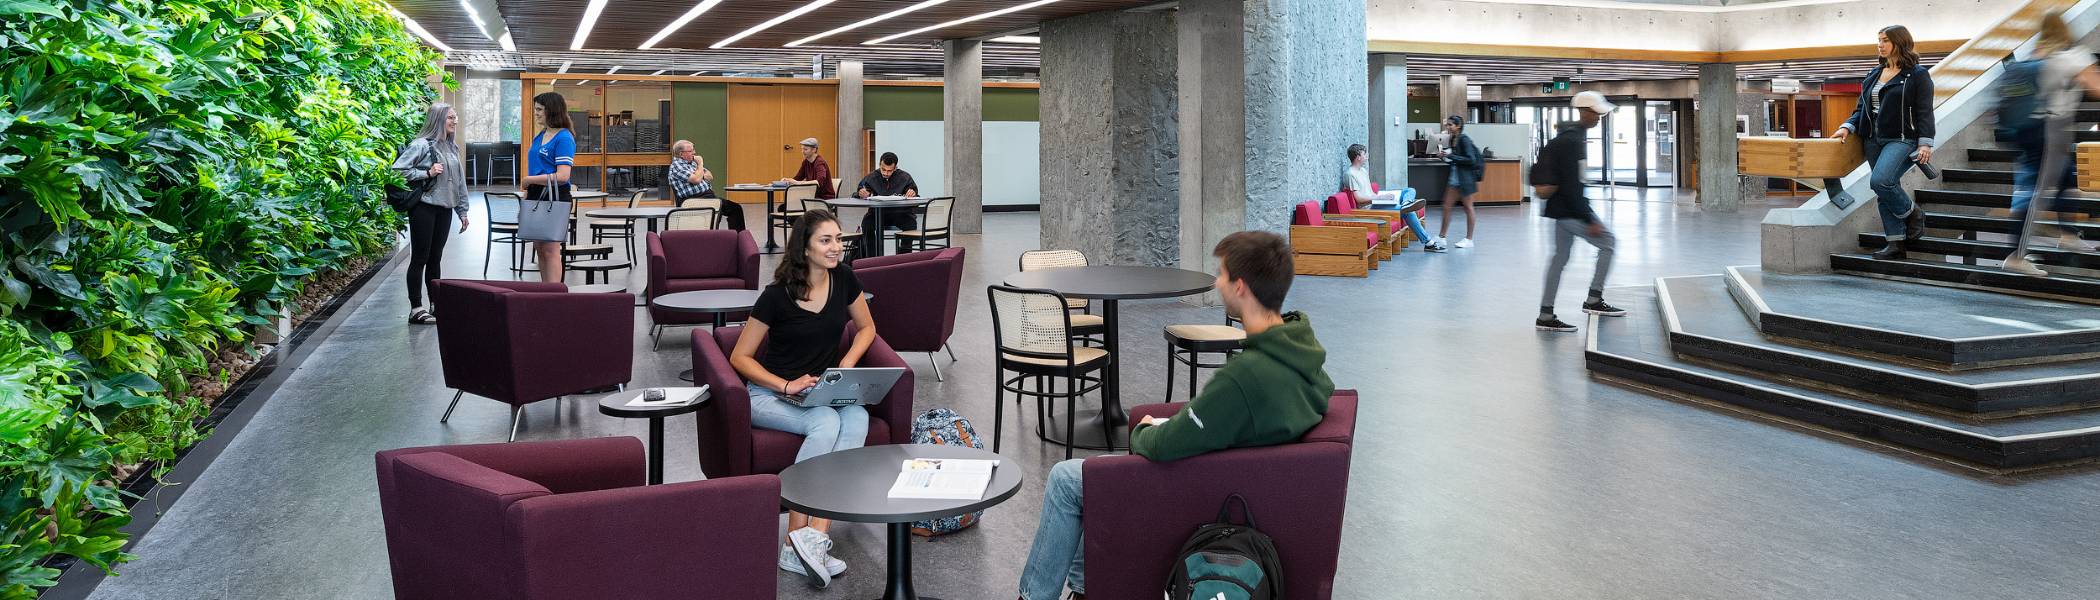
pixel 433 156
pixel 1895 116
pixel 1571 213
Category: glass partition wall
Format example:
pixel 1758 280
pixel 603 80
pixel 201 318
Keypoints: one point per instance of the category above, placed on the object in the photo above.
pixel 623 131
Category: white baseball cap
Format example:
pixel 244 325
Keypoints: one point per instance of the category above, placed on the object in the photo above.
pixel 1594 101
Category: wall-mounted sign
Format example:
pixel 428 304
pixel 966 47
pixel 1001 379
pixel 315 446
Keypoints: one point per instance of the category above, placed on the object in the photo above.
pixel 1786 86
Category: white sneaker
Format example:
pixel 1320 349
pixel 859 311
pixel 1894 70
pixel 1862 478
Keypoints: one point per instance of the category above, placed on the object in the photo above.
pixel 791 562
pixel 2019 264
pixel 1465 243
pixel 811 547
pixel 2070 242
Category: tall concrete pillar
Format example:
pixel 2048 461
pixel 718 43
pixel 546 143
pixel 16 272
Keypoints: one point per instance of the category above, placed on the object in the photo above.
pixel 962 128
pixel 1110 137
pixel 1213 98
pixel 1307 100
pixel 1451 95
pixel 849 160
pixel 1719 190
pixel 1389 120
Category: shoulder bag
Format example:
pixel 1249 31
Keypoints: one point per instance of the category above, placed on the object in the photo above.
pixel 544 217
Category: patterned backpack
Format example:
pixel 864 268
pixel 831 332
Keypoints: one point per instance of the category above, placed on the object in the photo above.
pixel 943 426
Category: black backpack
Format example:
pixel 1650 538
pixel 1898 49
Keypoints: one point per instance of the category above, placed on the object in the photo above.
pixel 2019 94
pixel 1224 561
pixel 404 197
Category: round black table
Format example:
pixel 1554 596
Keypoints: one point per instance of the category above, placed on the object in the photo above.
pixel 717 302
pixel 602 288
pixel 1109 284
pixel 616 405
pixel 769 189
pixel 854 485
pixel 652 213
pixel 877 206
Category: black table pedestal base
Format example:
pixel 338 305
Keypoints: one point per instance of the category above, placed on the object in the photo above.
pixel 656 450
pixel 1090 436
pixel 899 585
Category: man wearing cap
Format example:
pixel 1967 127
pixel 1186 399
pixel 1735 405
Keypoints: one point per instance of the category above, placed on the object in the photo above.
pixel 1560 182
pixel 815 170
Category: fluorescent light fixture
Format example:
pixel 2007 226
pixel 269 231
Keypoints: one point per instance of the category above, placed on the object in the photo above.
pixel 475 15
pixel 878 19
pixel 680 23
pixel 1003 11
pixel 658 72
pixel 419 30
pixel 770 23
pixel 590 19
pixel 697 73
pixel 580 83
pixel 564 67
pixel 1019 39
pixel 612 70
pixel 508 46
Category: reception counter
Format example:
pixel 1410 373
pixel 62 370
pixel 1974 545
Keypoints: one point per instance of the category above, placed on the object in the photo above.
pixel 1503 185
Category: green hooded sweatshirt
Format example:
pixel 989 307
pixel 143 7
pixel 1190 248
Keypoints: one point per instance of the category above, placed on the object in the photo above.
pixel 1270 393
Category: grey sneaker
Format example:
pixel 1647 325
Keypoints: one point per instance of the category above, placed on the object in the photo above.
pixel 791 562
pixel 812 547
pixel 1601 308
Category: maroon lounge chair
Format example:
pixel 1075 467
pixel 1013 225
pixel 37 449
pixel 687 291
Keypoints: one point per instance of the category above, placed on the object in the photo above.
pixel 570 519
pixel 687 261
pixel 1139 512
pixel 521 342
pixel 916 296
pixel 730 446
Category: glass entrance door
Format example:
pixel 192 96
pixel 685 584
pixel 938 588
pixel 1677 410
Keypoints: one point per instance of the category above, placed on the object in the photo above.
pixel 1659 128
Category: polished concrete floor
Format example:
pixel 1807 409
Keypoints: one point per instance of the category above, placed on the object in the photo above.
pixel 1489 463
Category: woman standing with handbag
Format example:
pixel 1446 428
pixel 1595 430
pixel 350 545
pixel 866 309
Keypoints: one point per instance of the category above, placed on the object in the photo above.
pixel 548 161
pixel 1895 115
pixel 431 162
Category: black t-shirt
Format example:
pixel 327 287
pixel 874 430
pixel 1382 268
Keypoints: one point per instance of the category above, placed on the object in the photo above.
pixel 800 342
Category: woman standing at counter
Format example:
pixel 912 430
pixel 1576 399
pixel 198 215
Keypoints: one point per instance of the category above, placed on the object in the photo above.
pixel 1467 167
pixel 1895 115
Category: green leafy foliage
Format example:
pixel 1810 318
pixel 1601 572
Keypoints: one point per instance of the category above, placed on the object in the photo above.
pixel 171 172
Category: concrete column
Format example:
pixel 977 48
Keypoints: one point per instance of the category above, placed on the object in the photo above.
pixel 962 128
pixel 1307 100
pixel 1213 109
pixel 848 161
pixel 1389 120
pixel 1451 95
pixel 1110 137
pixel 1719 188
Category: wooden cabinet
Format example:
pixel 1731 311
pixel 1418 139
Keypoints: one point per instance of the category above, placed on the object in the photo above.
pixel 1502 184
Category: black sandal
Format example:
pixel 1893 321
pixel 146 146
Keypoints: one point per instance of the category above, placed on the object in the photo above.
pixel 421 317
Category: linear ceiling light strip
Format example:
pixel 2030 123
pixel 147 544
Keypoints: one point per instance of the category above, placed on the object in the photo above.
pixel 419 30
pixel 774 21
pixel 590 19
pixel 877 19
pixel 679 24
pixel 1003 11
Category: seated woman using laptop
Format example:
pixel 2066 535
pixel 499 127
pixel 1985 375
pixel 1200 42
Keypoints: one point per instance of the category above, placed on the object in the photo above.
pixel 802 314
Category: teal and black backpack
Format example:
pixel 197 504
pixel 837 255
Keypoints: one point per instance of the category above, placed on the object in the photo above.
pixel 1224 561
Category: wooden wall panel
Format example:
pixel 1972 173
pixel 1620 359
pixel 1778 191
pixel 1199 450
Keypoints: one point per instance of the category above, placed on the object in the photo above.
pixel 809 111
pixel 754 139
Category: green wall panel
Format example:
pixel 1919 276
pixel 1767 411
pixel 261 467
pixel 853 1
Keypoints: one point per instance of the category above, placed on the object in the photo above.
pixel 1012 104
pixel 899 103
pixel 1424 110
pixel 700 112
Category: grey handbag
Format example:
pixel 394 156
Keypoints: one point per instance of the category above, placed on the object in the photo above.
pixel 545 218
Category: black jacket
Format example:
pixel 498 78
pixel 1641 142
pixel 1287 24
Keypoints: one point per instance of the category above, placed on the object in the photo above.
pixel 1906 108
pixel 1563 160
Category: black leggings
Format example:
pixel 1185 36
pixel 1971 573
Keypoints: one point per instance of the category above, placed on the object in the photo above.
pixel 428 226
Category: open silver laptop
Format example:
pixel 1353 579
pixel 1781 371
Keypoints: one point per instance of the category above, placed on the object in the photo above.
pixel 847 387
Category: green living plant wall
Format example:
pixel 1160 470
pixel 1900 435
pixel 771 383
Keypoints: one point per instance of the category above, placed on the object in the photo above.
pixel 171 171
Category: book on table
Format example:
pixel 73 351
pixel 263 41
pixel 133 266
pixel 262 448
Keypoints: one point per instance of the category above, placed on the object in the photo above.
pixel 944 478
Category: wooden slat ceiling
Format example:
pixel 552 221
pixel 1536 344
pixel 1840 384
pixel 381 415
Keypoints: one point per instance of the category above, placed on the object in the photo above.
pixel 1424 69
pixel 446 20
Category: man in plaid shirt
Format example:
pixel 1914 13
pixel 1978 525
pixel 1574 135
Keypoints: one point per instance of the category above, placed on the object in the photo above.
pixel 689 179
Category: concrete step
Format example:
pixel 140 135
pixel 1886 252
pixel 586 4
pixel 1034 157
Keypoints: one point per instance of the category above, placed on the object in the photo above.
pixel 2088 136
pixel 2006 225
pixel 1998 155
pixel 1704 318
pixel 1995 200
pixel 1987 250
pixel 1949 329
pixel 1636 349
pixel 1991 278
pixel 1985 176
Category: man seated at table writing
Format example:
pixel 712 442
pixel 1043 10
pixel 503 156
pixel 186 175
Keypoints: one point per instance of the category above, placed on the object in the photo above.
pixel 888 180
pixel 690 179
pixel 1270 393
pixel 814 170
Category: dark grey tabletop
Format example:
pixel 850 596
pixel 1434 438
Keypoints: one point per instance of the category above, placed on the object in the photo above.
pixel 616 405
pixel 707 301
pixel 640 212
pixel 602 288
pixel 1115 282
pixel 854 485
pixel 873 203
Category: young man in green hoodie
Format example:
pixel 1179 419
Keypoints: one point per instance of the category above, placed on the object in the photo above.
pixel 1270 393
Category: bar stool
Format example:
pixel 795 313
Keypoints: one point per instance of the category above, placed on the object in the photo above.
pixel 1032 333
pixel 619 229
pixel 1087 327
pixel 573 253
pixel 504 162
pixel 503 229
pixel 1186 344
pixel 591 269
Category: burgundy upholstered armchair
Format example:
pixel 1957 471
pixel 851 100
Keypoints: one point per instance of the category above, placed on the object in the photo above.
pixel 570 519
pixel 730 446
pixel 687 261
pixel 521 342
pixel 1139 512
pixel 916 296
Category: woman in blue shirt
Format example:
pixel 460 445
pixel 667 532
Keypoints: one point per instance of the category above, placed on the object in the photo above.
pixel 552 154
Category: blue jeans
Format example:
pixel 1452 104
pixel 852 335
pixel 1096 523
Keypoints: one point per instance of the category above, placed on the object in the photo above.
pixel 2027 172
pixel 1056 560
pixel 1891 159
pixel 1415 223
pixel 823 429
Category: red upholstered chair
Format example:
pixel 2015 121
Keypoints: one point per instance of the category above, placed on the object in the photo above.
pixel 916 296
pixel 570 519
pixel 1139 512
pixel 687 261
pixel 1346 249
pixel 1339 206
pixel 729 445
pixel 522 342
